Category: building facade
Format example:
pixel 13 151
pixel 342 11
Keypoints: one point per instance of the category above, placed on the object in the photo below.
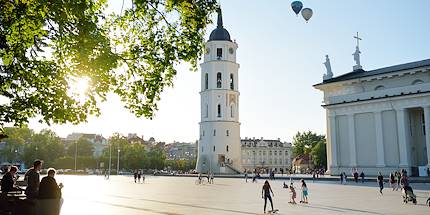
pixel 266 155
pixel 219 142
pixel 181 151
pixel 379 120
pixel 98 142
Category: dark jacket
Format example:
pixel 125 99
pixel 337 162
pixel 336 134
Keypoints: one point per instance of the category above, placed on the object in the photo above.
pixel 7 183
pixel 33 180
pixel 49 188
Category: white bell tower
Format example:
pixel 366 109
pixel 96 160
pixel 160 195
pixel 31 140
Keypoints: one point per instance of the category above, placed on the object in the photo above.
pixel 219 149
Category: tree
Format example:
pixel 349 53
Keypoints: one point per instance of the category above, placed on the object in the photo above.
pixel 47 47
pixel 304 142
pixel 45 145
pixel 311 143
pixel 319 154
pixel 83 147
pixel 15 142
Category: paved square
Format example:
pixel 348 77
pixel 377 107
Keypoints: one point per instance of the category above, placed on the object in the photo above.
pixel 180 195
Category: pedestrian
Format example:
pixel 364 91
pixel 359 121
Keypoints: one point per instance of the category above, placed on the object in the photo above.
pixel 212 178
pixel 380 181
pixel 362 176
pixel 265 194
pixel 139 176
pixel 341 178
pixel 32 177
pixel 344 178
pixel 398 179
pixel 392 181
pixel 313 176
pixel 356 176
pixel 135 176
pixel 246 177
pixel 428 171
pixel 304 192
pixel 293 194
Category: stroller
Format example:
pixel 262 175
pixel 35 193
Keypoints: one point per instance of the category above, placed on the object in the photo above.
pixel 408 195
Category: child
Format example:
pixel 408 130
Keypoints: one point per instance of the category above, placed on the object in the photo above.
pixel 304 192
pixel 293 194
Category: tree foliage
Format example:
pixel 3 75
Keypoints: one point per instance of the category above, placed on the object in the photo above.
pixel 46 46
pixel 311 143
pixel 82 147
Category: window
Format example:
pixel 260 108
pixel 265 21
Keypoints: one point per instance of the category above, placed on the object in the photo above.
pixel 231 111
pixel 214 132
pixel 218 80
pixel 418 81
pixel 206 81
pixel 202 149
pixel 276 153
pixel 231 81
pixel 226 148
pixel 286 153
pixel 270 153
pixel 380 87
pixel 228 133
pixel 207 111
pixel 203 132
pixel 219 53
pixel 219 110
pixel 214 148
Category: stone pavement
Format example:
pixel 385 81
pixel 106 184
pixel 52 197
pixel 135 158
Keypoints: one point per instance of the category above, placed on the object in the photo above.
pixel 180 195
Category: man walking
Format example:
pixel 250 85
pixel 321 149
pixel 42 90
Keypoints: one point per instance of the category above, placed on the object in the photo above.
pixel 380 182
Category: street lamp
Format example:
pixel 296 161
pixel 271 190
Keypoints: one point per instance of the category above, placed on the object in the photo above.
pixel 110 158
pixel 76 154
pixel 16 156
pixel 117 165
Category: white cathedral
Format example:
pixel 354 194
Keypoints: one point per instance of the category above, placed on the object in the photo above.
pixel 219 146
pixel 378 120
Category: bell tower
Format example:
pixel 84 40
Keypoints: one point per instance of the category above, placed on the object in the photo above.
pixel 219 149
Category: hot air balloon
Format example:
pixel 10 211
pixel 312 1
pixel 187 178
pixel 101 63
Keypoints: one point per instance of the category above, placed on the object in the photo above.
pixel 297 6
pixel 307 13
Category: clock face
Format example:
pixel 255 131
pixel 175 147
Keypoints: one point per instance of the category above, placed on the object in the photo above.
pixel 231 50
pixel 208 50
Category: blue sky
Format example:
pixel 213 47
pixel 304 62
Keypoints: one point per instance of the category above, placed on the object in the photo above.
pixel 280 57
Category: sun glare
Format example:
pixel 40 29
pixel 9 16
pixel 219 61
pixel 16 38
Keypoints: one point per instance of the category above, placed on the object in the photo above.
pixel 78 87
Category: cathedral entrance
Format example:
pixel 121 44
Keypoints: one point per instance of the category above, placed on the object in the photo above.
pixel 418 138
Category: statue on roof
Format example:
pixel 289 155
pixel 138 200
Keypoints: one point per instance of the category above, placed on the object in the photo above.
pixel 356 54
pixel 328 68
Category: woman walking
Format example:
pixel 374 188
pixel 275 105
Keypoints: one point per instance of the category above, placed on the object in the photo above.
pixel 265 194
pixel 293 194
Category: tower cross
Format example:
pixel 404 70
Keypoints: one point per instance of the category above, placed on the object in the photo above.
pixel 358 39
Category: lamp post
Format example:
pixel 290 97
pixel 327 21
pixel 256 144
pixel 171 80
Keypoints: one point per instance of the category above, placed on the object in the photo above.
pixel 110 158
pixel 76 154
pixel 117 165
pixel 16 156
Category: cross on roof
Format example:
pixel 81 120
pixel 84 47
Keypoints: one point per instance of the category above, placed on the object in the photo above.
pixel 358 39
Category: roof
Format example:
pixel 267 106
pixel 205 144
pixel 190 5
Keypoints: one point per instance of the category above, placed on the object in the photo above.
pixel 362 73
pixel 220 33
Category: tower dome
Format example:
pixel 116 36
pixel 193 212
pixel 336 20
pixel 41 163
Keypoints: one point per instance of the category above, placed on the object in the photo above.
pixel 219 33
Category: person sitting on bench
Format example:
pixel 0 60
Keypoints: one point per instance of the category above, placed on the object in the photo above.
pixel 8 181
pixel 49 189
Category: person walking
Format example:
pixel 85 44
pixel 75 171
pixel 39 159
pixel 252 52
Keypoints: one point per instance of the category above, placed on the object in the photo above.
pixel 139 176
pixel 392 181
pixel 362 176
pixel 135 176
pixel 246 177
pixel 212 178
pixel 380 181
pixel 265 194
pixel 356 176
pixel 304 192
pixel 341 178
pixel 32 177
pixel 313 176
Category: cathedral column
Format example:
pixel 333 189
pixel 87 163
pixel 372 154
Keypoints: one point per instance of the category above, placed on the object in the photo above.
pixel 380 162
pixel 402 135
pixel 427 126
pixel 352 146
pixel 331 139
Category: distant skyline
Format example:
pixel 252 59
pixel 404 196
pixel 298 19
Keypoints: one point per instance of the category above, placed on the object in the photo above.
pixel 281 57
